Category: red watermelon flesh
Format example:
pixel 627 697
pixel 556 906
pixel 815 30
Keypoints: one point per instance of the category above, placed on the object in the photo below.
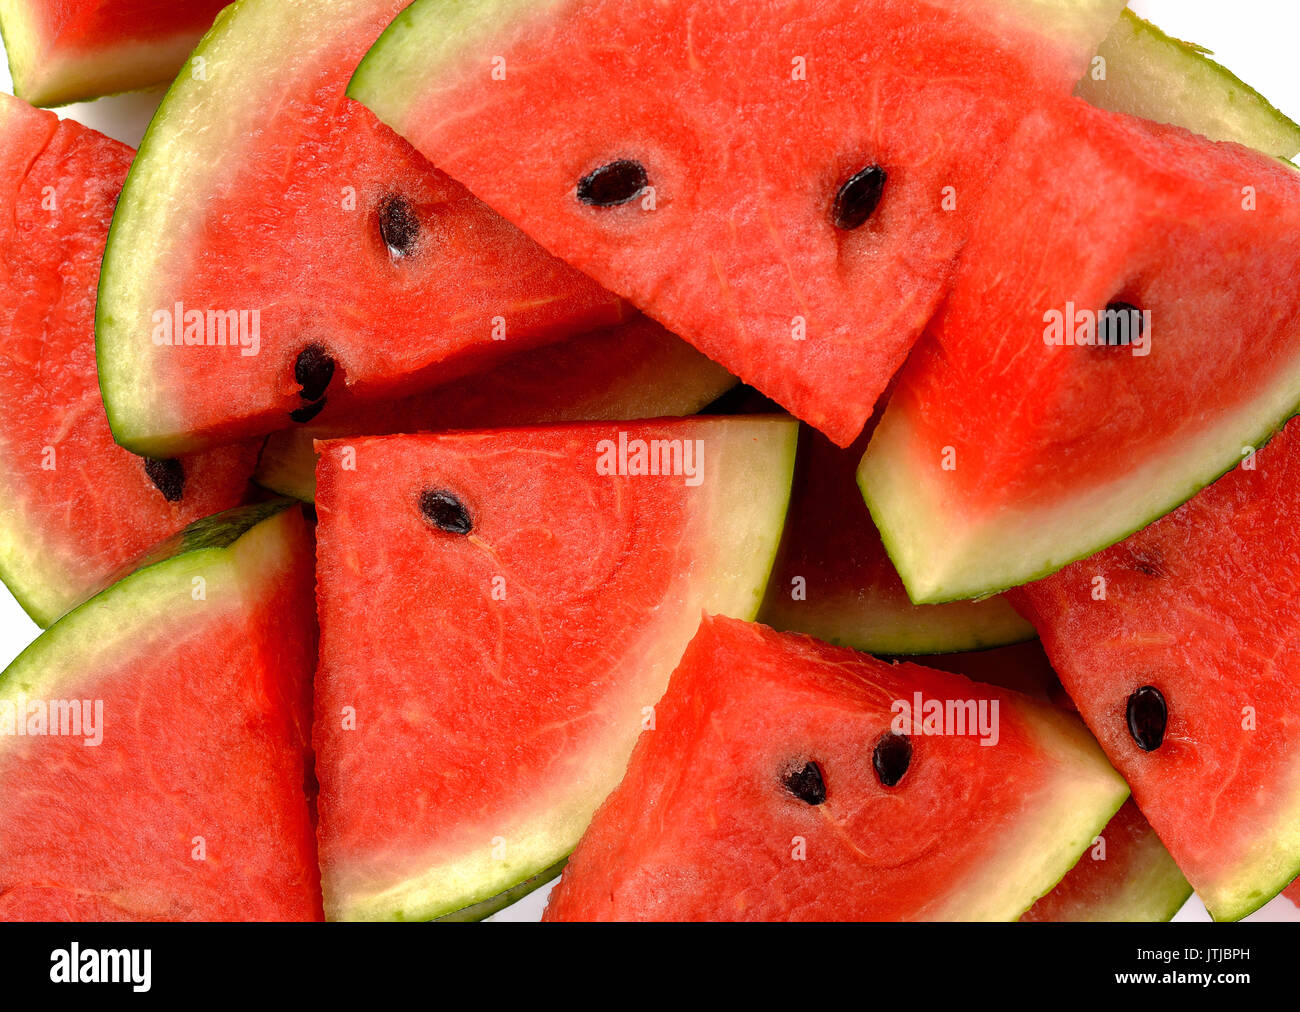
pixel 745 123
pixel 1125 875
pixel 707 824
pixel 1292 892
pixel 632 370
pixel 1002 456
pixel 191 805
pixel 498 618
pixel 1202 607
pixel 71 50
pixel 296 203
pixel 833 578
pixel 74 507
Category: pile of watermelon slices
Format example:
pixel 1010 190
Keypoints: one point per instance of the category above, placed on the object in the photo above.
pixel 782 460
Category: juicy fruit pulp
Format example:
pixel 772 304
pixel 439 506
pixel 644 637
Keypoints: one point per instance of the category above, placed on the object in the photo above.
pixel 74 507
pixel 181 797
pixel 507 600
pixel 294 224
pixel 801 243
pixel 833 580
pixel 75 50
pixel 633 370
pixel 1178 611
pixel 953 830
pixel 1007 453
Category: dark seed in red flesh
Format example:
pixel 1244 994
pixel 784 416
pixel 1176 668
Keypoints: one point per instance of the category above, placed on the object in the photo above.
pixel 1148 716
pixel 807 784
pixel 892 757
pixel 445 511
pixel 611 185
pixel 858 198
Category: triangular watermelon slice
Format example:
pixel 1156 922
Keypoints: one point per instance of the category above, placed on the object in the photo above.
pixel 74 507
pixel 1007 452
pixel 75 50
pixel 500 613
pixel 154 742
pixel 833 579
pixel 1179 647
pixel 278 253
pixel 631 370
pixel 785 185
pixel 774 786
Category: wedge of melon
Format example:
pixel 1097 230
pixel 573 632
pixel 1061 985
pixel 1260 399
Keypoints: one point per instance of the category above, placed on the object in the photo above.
pixel 75 50
pixel 499 617
pixel 156 740
pixel 772 787
pixel 785 185
pixel 1004 455
pixel 1199 614
pixel 74 507
pixel 633 370
pixel 834 581
pixel 1149 74
pixel 278 253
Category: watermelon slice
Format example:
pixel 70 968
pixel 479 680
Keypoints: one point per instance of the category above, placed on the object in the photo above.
pixel 1161 644
pixel 498 618
pixel 774 787
pixel 784 184
pixel 834 581
pixel 1147 73
pixel 74 507
pixel 264 204
pixel 155 741
pixel 1005 455
pixel 633 370
pixel 75 50
pixel 1126 875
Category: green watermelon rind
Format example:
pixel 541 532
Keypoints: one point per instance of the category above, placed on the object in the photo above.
pixel 481 911
pixel 1211 100
pixel 883 466
pixel 146 192
pixel 107 624
pixel 418 898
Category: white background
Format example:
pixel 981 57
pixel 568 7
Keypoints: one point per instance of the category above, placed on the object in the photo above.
pixel 1256 39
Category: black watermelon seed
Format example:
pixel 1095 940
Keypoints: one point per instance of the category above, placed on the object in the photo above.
pixel 807 784
pixel 613 184
pixel 892 757
pixel 304 415
pixel 168 476
pixel 313 371
pixel 445 511
pixel 1148 715
pixel 858 198
pixel 1111 333
pixel 399 226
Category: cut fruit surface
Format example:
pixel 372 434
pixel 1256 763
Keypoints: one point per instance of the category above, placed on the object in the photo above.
pixel 833 579
pixel 632 370
pixel 76 50
pixel 1160 642
pixel 773 787
pixel 74 507
pixel 500 613
pixel 1006 453
pixel 1125 875
pixel 156 739
pixel 729 166
pixel 278 254
pixel 1149 74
